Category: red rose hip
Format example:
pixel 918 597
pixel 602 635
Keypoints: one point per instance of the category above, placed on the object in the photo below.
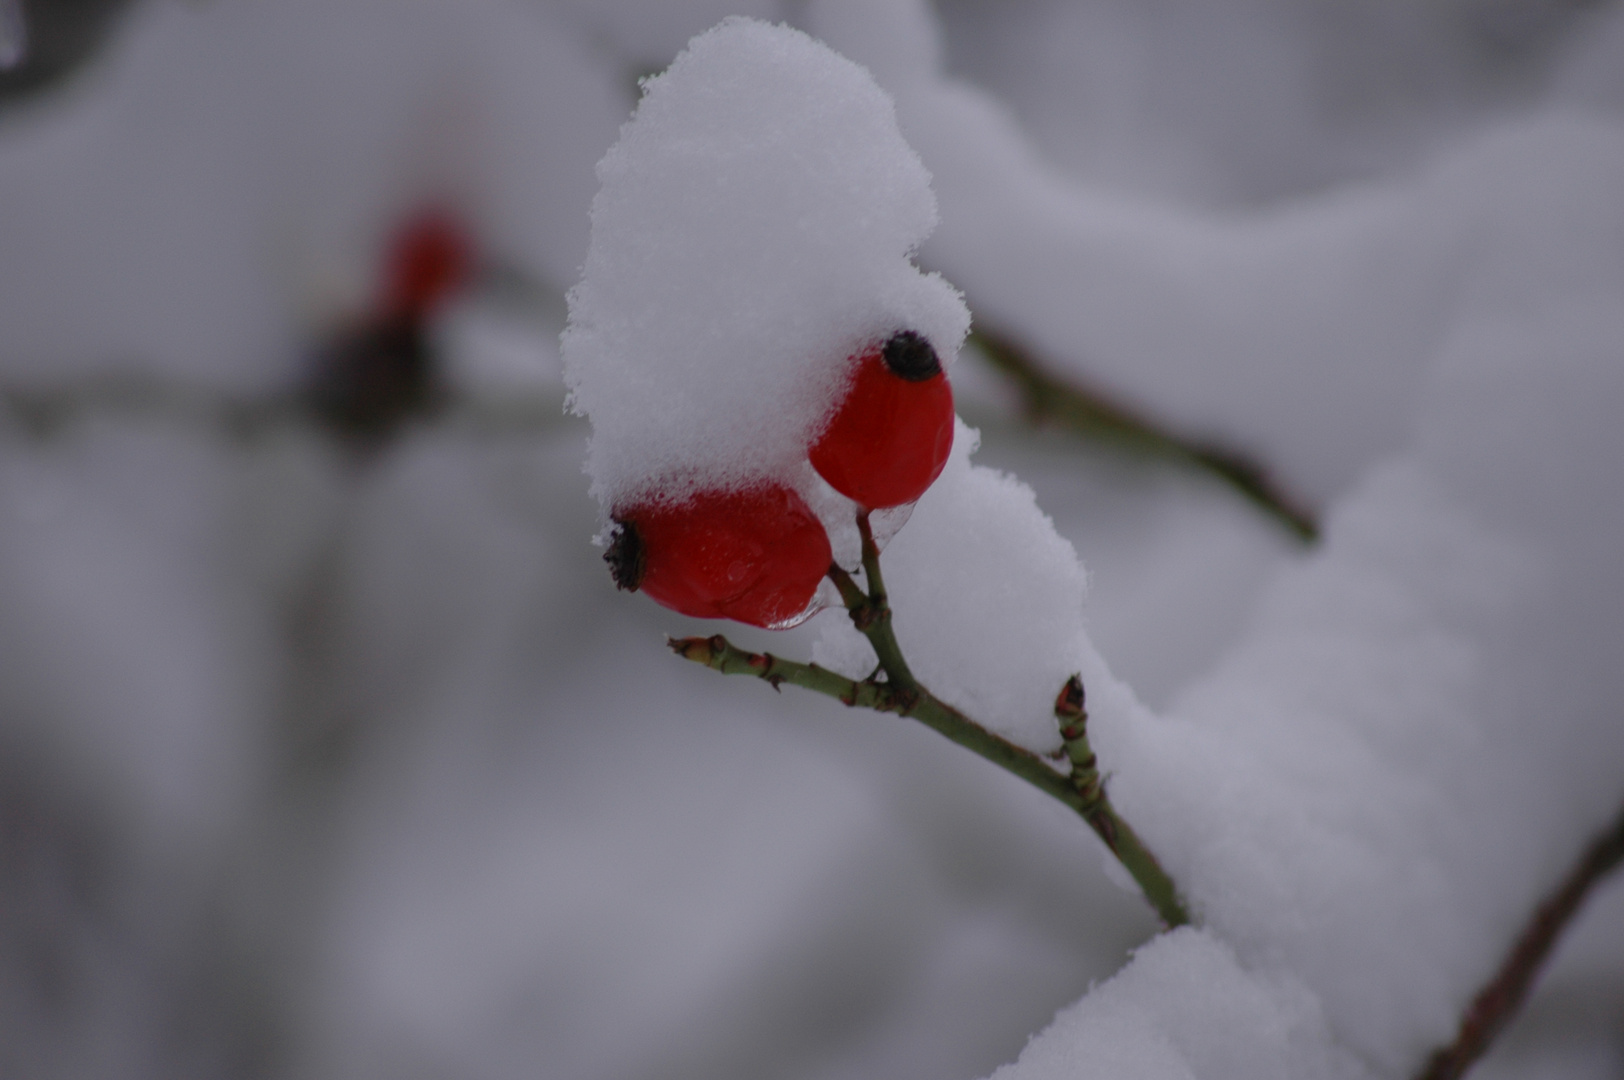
pixel 890 436
pixel 756 555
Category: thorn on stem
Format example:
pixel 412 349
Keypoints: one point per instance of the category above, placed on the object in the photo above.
pixel 691 648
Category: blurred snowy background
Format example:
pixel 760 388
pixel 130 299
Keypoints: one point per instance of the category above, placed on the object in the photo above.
pixel 326 755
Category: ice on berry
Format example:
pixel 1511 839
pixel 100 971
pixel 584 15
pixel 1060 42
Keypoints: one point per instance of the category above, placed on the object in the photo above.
pixel 754 231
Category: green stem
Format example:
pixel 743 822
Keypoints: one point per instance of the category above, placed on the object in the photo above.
pixel 1096 808
pixel 875 618
pixel 902 694
pixel 719 654
pixel 872 616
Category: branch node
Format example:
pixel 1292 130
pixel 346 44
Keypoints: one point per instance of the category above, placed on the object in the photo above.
pixel 891 688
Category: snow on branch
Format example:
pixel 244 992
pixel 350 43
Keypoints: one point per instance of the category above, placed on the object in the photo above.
pixel 1331 799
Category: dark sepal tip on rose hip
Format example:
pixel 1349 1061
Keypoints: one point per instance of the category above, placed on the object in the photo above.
pixel 910 356
pixel 890 435
pixel 755 555
pixel 625 556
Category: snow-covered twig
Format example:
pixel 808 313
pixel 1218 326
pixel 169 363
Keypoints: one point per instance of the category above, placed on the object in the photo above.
pixel 1094 415
pixel 902 694
pixel 1501 999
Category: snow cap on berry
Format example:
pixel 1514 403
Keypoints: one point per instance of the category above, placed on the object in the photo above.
pixel 755 230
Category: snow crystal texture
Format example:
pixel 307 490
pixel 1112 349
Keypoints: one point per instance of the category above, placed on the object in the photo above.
pixel 987 602
pixel 754 229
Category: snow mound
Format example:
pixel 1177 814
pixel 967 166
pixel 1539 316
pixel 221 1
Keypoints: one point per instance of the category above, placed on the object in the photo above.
pixel 1184 1008
pixel 1348 800
pixel 987 602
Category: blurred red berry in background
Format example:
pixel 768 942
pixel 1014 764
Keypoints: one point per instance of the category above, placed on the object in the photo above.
pixel 430 256
pixel 381 370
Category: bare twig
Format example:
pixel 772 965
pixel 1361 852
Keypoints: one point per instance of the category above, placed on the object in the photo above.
pixel 1093 414
pixel 902 694
pixel 45 411
pixel 1503 996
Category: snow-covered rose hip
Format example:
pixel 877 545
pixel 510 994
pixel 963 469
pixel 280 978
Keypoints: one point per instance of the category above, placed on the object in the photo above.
pixel 755 555
pixel 697 356
pixel 889 438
